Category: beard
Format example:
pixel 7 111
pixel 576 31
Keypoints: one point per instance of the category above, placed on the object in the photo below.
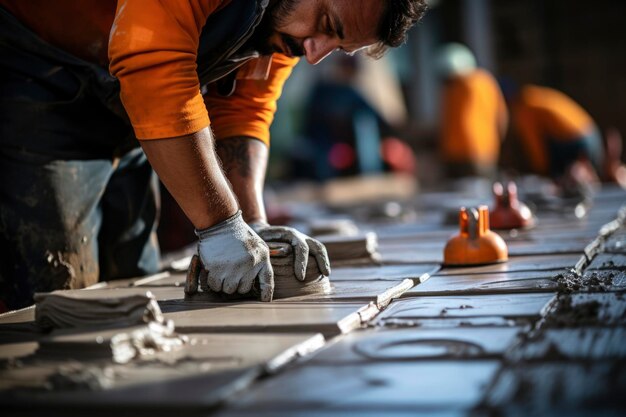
pixel 276 14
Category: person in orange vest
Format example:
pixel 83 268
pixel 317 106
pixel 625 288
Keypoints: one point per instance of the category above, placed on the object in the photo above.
pixel 474 117
pixel 94 94
pixel 559 138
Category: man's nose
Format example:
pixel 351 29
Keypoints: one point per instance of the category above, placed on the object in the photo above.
pixel 318 48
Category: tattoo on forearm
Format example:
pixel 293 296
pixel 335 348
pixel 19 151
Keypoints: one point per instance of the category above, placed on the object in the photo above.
pixel 235 154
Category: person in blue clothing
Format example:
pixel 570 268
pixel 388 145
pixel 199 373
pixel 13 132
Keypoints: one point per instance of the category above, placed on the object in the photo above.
pixel 345 135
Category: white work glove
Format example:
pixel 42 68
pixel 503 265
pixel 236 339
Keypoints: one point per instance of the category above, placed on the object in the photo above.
pixel 233 255
pixel 302 244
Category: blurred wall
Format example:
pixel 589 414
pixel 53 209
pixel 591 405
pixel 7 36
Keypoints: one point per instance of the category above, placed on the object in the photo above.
pixel 575 46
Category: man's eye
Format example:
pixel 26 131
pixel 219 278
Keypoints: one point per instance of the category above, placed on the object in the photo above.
pixel 327 26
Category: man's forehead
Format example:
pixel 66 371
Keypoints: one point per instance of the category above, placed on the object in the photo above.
pixel 357 19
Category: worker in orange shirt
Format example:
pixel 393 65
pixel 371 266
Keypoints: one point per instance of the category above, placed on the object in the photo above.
pixel 474 117
pixel 90 88
pixel 559 138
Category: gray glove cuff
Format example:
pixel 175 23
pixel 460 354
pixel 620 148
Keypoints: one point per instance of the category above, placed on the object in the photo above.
pixel 220 227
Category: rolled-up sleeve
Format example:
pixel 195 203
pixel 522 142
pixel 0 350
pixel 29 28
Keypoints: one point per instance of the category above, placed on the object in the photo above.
pixel 152 50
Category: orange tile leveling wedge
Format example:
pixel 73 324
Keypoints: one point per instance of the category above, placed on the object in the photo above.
pixel 475 244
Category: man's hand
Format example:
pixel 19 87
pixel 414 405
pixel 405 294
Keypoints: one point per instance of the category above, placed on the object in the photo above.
pixel 244 160
pixel 234 256
pixel 302 246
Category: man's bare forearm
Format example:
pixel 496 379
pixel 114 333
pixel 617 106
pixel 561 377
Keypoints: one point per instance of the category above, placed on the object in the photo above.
pixel 244 161
pixel 189 169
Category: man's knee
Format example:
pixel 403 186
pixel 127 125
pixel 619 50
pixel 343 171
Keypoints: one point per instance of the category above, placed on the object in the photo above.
pixel 38 259
pixel 47 223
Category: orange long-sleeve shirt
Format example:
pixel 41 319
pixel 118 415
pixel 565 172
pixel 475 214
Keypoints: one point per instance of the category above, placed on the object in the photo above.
pixel 473 117
pixel 541 114
pixel 151 47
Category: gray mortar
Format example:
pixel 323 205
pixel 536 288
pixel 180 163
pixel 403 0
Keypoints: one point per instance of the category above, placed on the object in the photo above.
pixel 569 282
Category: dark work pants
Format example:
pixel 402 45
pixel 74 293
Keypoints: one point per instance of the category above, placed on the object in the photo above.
pixel 78 199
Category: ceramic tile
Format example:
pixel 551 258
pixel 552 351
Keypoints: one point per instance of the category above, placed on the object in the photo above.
pixel 579 411
pixel 419 241
pixel 417 272
pixel 515 305
pixel 17 350
pixel 23 315
pixel 488 283
pixel 415 233
pixel 611 193
pixel 20 333
pixel 548 223
pixel 411 253
pixel 531 248
pixel 378 292
pixel 408 344
pixel 455 322
pixel 552 233
pixel 164 389
pixel 361 247
pixel 446 385
pixel 386 411
pixel 206 359
pixel 456 197
pixel 211 350
pixel 19 326
pixel 519 263
pixel 328 318
pixel 542 387
pixel 608 261
pixel 616 243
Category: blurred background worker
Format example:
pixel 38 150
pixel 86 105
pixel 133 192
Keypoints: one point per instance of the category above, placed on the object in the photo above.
pixel 474 118
pixel 559 138
pixel 344 133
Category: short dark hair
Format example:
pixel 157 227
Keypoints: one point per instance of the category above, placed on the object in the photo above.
pixel 397 18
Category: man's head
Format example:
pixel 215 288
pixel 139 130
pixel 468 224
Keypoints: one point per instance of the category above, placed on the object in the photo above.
pixel 315 28
pixel 454 60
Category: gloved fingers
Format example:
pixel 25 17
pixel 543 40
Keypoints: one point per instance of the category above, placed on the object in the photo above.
pixel 203 278
pixel 295 239
pixel 246 283
pixel 266 282
pixel 301 256
pixel 275 234
pixel 215 281
pixel 318 250
pixel 234 279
